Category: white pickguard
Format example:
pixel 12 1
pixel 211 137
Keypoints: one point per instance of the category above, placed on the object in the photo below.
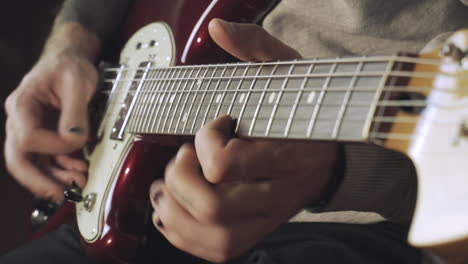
pixel 153 43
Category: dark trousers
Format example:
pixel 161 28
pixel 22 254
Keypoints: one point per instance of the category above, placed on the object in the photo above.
pixel 293 243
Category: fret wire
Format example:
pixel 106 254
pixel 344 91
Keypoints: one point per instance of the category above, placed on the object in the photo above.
pixel 156 116
pixel 212 97
pixel 182 114
pixel 297 101
pixel 225 91
pixel 377 95
pixel 150 101
pixel 139 105
pixel 135 98
pixel 236 92
pixel 278 100
pixel 155 98
pixel 344 105
pixel 197 113
pixel 319 102
pixel 194 99
pixel 168 101
pixel 247 97
pixel 260 102
pixel 178 101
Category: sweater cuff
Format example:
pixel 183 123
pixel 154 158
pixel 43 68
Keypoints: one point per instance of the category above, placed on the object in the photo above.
pixel 376 180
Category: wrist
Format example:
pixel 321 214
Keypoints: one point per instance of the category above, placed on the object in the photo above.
pixel 72 37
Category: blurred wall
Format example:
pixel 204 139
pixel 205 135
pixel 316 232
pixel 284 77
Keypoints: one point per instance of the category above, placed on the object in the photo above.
pixel 24 25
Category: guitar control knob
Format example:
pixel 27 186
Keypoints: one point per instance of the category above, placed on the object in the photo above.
pixel 74 194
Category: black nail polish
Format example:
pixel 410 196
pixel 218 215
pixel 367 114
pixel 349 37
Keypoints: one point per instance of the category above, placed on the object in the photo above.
pixel 76 130
pixel 160 224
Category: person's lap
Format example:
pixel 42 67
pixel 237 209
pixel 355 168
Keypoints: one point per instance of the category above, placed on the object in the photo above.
pixel 292 243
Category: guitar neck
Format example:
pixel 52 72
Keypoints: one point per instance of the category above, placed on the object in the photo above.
pixel 329 99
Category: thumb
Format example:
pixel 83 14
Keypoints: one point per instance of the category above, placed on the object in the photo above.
pixel 249 42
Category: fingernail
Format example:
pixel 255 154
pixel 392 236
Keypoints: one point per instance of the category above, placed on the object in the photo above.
pixel 227 25
pixel 76 130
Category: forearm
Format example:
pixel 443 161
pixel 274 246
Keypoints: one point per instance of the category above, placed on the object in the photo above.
pixel 85 25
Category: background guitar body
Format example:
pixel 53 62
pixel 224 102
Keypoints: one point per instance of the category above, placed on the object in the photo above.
pixel 125 234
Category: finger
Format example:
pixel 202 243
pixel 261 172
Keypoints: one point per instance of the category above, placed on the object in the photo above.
pixel 211 142
pixel 215 203
pixel 249 42
pixel 67 177
pixel 32 178
pixel 73 122
pixel 224 158
pixel 28 129
pixel 69 163
pixel 186 183
pixel 216 243
pixel 181 228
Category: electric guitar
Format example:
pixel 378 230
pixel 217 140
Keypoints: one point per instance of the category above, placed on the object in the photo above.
pixel 169 83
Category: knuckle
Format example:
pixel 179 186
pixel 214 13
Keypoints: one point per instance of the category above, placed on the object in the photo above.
pixel 210 211
pixel 9 103
pixel 170 173
pixel 24 139
pixel 217 168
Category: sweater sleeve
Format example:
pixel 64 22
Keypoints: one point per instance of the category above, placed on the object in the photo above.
pixel 376 180
pixel 102 17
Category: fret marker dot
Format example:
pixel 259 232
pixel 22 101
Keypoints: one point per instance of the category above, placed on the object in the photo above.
pixel 199 82
pixel 171 100
pixel 218 98
pixel 271 98
pixel 185 117
pixel 241 98
pixel 311 97
pixel 161 99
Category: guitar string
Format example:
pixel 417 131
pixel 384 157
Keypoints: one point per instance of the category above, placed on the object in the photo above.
pixel 301 76
pixel 387 103
pixel 382 59
pixel 371 136
pixel 377 119
pixel 387 119
pixel 163 94
pixel 368 89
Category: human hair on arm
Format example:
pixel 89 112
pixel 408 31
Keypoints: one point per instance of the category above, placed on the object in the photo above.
pixel 86 25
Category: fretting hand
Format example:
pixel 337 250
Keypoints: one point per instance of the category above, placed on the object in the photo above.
pixel 223 194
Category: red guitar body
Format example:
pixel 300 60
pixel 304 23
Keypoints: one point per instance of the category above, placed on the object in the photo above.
pixel 131 237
